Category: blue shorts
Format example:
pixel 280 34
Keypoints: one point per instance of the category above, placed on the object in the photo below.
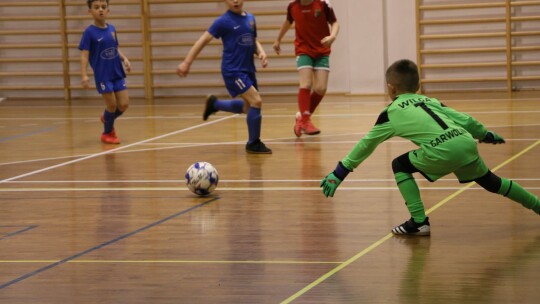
pixel 238 83
pixel 111 86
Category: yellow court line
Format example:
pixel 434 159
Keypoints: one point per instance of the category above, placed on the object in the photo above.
pixel 389 235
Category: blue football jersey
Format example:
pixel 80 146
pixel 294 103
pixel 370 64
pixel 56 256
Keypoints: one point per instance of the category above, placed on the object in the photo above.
pixel 104 58
pixel 238 34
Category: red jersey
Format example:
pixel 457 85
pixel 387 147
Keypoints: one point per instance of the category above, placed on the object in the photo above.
pixel 312 25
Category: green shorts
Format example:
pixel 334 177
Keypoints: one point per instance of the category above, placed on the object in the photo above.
pixel 466 169
pixel 307 62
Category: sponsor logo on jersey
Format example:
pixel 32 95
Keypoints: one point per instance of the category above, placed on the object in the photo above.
pixel 246 40
pixel 446 136
pixel 317 13
pixel 412 101
pixel 109 53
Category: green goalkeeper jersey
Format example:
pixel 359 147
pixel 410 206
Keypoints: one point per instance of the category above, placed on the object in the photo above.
pixel 445 136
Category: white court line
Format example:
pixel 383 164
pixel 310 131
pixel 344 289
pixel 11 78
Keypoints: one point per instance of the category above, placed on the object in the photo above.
pixel 114 150
pixel 181 188
pixel 95 119
pixel 334 103
pixel 348 181
pixel 190 145
pixel 197 116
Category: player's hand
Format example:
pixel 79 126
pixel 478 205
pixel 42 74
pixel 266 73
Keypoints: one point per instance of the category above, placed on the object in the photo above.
pixel 127 64
pixel 183 69
pixel 329 184
pixel 492 138
pixel 85 82
pixel 277 47
pixel 327 41
pixel 264 59
pixel 332 180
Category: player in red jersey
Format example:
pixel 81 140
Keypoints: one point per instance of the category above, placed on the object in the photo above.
pixel 316 28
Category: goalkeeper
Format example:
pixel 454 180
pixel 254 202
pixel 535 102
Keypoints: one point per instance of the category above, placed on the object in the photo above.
pixel 446 140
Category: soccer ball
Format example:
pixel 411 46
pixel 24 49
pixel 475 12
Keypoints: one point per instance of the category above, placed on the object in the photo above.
pixel 202 178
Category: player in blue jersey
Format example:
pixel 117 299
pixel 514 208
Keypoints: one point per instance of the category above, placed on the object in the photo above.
pixel 446 144
pixel 238 33
pixel 99 47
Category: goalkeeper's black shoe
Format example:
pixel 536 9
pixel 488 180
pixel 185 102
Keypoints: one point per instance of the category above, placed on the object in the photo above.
pixel 257 147
pixel 209 108
pixel 410 227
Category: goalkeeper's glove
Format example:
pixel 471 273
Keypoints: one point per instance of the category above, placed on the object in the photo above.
pixel 492 138
pixel 331 182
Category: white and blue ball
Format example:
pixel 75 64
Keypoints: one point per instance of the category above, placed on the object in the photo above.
pixel 202 178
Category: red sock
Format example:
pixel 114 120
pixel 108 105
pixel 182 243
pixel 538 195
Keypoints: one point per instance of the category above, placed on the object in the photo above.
pixel 315 100
pixel 304 102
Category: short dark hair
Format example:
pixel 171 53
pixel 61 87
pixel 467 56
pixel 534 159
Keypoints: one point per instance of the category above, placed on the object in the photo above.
pixel 403 74
pixel 89 2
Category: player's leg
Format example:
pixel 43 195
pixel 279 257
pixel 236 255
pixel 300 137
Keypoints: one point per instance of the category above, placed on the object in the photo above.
pixel 319 88
pixel 236 84
pixel 478 172
pixel 510 189
pixel 457 153
pixel 106 89
pixel 122 97
pixel 109 135
pixel 320 83
pixel 214 104
pixel 419 223
pixel 245 86
pixel 304 65
pixel 122 102
pixel 254 122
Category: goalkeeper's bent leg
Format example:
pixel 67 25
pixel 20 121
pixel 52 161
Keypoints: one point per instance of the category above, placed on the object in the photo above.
pixel 410 192
pixel 515 192
pixel 510 189
pixel 403 169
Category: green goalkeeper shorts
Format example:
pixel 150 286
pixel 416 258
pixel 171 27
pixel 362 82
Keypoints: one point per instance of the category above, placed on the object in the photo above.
pixel 465 163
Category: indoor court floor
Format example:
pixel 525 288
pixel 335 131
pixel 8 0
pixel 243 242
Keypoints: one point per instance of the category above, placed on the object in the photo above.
pixel 84 222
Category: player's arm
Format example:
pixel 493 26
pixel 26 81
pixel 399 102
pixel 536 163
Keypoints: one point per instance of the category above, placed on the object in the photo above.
pixel 334 30
pixel 473 126
pixel 259 51
pixel 382 131
pixel 183 68
pixel 365 147
pixel 282 31
pixel 85 81
pixel 125 60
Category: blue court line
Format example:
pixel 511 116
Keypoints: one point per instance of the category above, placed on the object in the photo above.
pixel 40 270
pixel 16 232
pixel 27 134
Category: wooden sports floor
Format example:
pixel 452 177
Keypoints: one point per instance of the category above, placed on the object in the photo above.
pixel 83 222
